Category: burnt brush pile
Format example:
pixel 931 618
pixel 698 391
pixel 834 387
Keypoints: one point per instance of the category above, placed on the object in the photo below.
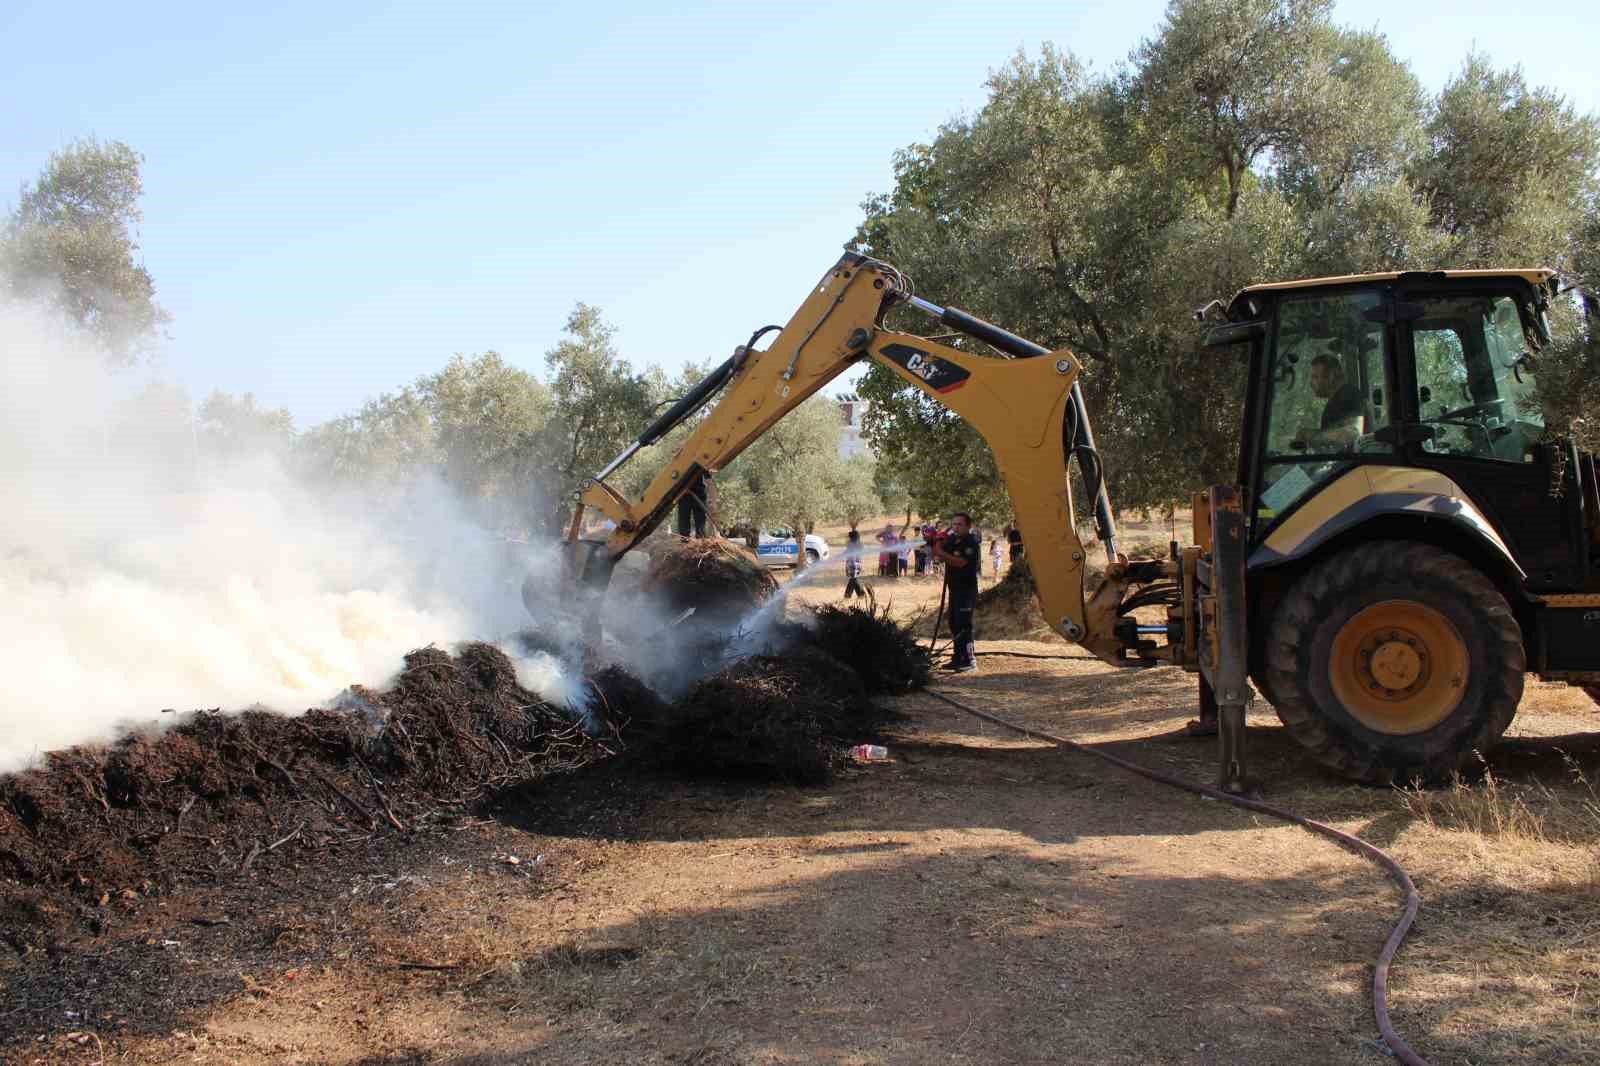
pixel 720 580
pixel 95 828
pixel 786 715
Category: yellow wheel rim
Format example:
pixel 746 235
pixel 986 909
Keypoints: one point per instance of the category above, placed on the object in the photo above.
pixel 1399 667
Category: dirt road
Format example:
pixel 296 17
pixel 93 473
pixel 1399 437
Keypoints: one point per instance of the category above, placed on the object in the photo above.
pixel 974 900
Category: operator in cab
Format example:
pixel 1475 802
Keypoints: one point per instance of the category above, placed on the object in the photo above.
pixel 962 554
pixel 1340 424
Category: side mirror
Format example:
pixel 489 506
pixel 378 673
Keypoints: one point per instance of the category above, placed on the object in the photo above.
pixel 1541 318
pixel 1227 333
pixel 1424 395
pixel 1377 397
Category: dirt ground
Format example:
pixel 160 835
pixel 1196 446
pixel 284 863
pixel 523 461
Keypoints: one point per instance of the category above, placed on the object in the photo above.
pixel 974 899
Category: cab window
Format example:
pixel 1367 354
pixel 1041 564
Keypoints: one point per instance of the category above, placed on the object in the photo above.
pixel 1328 394
pixel 1475 384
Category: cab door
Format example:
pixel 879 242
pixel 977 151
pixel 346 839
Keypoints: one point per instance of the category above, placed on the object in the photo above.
pixel 1471 394
pixel 1323 399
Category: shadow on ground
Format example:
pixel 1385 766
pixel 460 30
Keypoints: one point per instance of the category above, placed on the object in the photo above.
pixel 980 955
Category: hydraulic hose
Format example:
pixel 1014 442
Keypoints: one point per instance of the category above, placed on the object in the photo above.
pixel 1348 841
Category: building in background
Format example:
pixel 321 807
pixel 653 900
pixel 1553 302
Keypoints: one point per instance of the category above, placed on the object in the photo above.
pixel 852 407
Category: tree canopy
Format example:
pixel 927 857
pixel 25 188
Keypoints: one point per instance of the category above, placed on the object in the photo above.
pixel 72 242
pixel 1244 141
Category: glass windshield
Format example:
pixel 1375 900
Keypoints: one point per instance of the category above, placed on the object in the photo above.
pixel 1475 384
pixel 1328 394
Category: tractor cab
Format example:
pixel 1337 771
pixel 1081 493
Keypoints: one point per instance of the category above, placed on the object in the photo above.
pixel 1410 394
pixel 1416 540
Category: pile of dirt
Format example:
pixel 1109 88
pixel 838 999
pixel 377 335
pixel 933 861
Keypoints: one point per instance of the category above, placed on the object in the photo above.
pixel 93 828
pixel 1010 609
pixel 721 580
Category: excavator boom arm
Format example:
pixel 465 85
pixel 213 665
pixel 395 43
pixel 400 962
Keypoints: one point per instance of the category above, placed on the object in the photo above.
pixel 1029 409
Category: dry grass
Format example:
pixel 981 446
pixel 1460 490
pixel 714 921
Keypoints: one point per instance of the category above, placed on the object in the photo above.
pixel 1510 871
pixel 1512 813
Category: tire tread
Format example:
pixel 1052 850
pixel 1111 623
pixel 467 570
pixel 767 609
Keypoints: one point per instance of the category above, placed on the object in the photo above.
pixel 1319 591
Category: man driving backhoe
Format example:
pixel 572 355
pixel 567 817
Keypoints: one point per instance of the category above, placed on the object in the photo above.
pixel 1340 423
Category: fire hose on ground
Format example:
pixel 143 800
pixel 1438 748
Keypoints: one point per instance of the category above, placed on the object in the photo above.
pixel 1380 978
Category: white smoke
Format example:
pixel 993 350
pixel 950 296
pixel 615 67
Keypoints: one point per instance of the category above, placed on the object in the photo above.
pixel 136 576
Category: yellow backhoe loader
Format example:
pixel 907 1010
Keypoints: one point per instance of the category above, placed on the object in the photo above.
pixel 1402 545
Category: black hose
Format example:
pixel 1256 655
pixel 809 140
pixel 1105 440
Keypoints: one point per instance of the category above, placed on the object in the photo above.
pixel 750 345
pixel 1348 841
pixel 1036 655
pixel 933 642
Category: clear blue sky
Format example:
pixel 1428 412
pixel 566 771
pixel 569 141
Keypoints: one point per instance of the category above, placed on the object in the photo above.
pixel 339 196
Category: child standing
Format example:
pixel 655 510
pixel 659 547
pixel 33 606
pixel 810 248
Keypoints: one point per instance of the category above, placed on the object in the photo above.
pixel 852 567
pixel 994 555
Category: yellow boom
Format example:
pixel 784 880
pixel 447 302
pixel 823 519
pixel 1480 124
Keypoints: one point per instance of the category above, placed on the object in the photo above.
pixel 1027 407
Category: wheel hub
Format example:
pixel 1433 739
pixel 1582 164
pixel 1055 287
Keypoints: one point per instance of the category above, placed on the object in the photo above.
pixel 1395 664
pixel 1399 667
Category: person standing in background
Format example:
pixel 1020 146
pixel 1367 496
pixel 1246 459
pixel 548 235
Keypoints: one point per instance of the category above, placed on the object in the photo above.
pixel 694 506
pixel 994 555
pixel 1014 538
pixel 852 566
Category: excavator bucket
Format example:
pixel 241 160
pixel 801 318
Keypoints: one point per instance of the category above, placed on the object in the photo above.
pixel 586 567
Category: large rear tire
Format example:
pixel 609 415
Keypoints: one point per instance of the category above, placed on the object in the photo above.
pixel 1394 661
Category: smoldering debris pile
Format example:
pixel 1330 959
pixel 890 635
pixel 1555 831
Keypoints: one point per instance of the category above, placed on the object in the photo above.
pixel 92 830
pixel 207 797
pixel 883 654
pixel 787 714
pixel 459 727
pixel 720 580
pixel 768 717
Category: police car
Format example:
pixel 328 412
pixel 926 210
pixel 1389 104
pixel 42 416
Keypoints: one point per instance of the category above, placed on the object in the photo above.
pixel 778 548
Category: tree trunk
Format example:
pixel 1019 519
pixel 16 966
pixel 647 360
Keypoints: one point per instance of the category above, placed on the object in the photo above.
pixel 1235 175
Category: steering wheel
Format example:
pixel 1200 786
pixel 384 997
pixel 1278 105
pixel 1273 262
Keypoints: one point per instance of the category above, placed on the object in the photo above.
pixel 1462 415
pixel 1474 419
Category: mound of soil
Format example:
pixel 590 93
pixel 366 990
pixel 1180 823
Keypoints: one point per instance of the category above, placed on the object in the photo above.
pixel 1010 609
pixel 99 827
pixel 721 580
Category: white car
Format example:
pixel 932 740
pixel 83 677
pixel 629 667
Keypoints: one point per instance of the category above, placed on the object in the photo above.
pixel 777 548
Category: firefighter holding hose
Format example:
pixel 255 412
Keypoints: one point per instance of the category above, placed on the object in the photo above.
pixel 962 554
